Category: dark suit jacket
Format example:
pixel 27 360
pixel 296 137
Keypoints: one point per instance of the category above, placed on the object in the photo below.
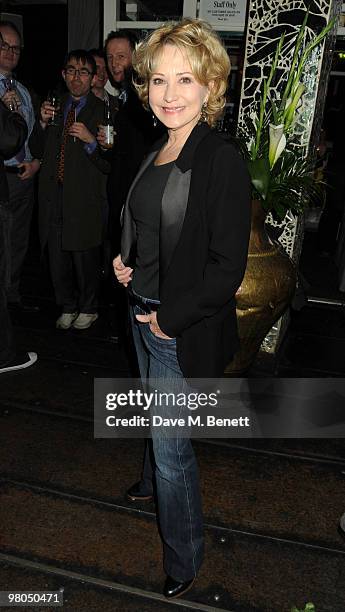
pixel 204 234
pixel 84 188
pixel 13 132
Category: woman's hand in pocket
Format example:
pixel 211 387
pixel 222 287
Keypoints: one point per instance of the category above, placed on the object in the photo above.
pixel 151 319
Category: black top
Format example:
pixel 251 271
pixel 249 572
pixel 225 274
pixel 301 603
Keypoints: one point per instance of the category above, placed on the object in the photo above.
pixel 146 209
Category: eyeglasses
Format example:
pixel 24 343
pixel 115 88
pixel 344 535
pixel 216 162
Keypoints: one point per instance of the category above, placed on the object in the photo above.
pixel 83 72
pixel 4 46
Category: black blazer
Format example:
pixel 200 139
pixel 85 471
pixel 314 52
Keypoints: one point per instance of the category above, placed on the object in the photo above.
pixel 13 132
pixel 204 234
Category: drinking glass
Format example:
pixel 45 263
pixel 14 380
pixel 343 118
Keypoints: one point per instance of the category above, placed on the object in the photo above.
pixel 10 85
pixel 54 99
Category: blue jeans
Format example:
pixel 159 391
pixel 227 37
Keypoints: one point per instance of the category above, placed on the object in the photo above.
pixel 175 469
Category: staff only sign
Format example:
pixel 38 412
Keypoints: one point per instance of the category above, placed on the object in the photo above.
pixel 223 12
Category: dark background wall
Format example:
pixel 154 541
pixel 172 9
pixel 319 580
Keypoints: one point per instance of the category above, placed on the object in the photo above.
pixel 45 44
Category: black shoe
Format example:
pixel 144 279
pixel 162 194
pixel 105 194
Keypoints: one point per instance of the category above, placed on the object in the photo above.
pixel 19 362
pixel 136 493
pixel 174 588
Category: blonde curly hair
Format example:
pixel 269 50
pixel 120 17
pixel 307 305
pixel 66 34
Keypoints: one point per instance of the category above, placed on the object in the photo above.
pixel 205 52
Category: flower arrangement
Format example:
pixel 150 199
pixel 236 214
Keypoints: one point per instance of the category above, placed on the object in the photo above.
pixel 282 179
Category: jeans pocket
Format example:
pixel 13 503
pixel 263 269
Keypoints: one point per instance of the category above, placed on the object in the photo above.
pixel 164 340
pixel 139 311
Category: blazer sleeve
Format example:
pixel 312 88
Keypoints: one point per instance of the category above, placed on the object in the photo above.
pixel 99 160
pixel 37 140
pixel 13 130
pixel 228 204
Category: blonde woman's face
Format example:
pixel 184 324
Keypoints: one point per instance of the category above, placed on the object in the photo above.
pixel 175 96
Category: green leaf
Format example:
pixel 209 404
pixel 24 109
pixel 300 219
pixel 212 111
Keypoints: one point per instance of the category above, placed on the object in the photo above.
pixel 259 170
pixel 280 210
pixel 276 119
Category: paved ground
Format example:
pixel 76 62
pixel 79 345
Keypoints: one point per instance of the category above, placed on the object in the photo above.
pixel 271 506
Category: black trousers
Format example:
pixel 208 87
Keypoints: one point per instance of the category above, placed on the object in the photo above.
pixel 7 348
pixel 75 274
pixel 21 202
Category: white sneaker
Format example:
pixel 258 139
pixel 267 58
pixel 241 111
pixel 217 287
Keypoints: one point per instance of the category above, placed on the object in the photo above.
pixel 21 362
pixel 85 320
pixel 66 320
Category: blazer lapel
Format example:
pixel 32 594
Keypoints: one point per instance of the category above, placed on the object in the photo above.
pixel 175 198
pixel 174 201
pixel 128 237
pixel 174 204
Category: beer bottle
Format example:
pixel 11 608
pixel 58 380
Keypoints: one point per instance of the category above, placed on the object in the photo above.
pixel 108 127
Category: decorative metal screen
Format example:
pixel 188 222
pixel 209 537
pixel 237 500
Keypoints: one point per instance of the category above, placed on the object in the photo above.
pixel 267 20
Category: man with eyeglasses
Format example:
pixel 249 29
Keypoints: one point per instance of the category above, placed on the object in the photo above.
pixel 22 167
pixel 13 131
pixel 72 192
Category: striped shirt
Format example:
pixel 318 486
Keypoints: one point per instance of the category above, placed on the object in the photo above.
pixel 26 110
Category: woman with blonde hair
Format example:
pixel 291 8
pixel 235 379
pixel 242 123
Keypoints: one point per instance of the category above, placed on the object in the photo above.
pixel 185 236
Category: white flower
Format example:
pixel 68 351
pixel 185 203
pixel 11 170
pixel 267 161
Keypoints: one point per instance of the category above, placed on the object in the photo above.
pixel 288 102
pixel 277 143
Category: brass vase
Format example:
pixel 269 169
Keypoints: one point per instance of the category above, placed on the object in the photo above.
pixel 266 291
